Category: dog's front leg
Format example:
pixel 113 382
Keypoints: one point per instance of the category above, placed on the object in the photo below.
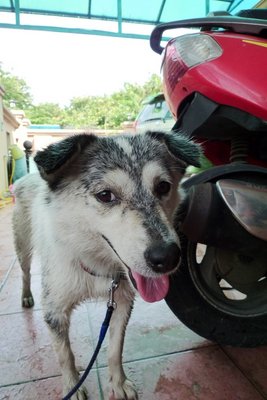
pixel 58 324
pixel 123 388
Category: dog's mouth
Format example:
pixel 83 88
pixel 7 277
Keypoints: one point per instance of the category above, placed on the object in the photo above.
pixel 151 289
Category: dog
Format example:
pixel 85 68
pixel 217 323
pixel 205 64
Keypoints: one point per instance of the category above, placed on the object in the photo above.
pixel 99 207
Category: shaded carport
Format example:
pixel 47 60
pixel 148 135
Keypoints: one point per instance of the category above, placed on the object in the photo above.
pixel 116 18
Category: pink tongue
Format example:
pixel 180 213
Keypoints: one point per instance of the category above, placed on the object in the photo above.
pixel 151 289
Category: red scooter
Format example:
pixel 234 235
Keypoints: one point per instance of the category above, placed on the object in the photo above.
pixel 215 83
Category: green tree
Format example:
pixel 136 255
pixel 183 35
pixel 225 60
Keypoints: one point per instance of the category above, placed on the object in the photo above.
pixel 83 112
pixel 153 85
pixel 110 111
pixel 17 92
pixel 46 113
pixel 86 112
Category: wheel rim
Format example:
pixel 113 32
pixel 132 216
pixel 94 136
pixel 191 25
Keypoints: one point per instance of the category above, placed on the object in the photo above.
pixel 231 282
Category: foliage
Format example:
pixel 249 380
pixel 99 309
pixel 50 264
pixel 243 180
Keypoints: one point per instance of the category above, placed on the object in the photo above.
pixel 17 93
pixel 86 112
pixel 45 113
pixel 110 111
pixel 83 112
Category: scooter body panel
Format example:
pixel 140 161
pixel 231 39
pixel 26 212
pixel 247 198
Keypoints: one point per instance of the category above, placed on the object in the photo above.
pixel 237 78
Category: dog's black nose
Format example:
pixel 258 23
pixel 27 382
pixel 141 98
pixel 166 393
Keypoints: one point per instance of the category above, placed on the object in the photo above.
pixel 163 257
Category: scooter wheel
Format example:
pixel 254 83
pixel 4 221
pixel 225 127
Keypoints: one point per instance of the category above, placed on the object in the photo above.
pixel 227 308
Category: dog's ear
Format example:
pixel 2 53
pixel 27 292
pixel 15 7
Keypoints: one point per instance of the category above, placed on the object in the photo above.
pixel 53 160
pixel 179 146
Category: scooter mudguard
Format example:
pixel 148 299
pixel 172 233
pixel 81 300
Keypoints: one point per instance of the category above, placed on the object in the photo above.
pixel 223 171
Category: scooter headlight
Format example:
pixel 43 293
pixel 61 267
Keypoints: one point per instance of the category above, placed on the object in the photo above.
pixel 188 51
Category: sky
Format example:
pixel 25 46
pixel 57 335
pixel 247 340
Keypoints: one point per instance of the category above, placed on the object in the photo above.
pixel 60 66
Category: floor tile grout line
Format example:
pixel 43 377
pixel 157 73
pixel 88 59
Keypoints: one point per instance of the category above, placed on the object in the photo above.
pixel 250 380
pixel 25 382
pixel 172 353
pixel 8 273
pixel 29 381
pixel 23 310
pixel 100 389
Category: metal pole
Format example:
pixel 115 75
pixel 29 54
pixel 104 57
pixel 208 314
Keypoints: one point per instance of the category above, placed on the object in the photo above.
pixel 207 6
pixel 28 151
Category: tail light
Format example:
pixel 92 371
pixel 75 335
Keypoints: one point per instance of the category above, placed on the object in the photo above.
pixel 185 52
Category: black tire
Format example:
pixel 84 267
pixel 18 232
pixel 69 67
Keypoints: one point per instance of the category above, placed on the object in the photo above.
pixel 202 315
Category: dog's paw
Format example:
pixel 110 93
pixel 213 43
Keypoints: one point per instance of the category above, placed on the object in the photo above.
pixel 126 391
pixel 81 394
pixel 27 301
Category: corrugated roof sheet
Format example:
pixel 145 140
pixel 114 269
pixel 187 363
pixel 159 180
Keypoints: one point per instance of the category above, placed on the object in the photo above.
pixel 124 14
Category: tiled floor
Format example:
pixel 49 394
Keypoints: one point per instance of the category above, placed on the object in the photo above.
pixel 165 359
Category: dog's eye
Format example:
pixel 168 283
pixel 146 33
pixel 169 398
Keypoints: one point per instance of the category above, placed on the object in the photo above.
pixel 106 196
pixel 162 188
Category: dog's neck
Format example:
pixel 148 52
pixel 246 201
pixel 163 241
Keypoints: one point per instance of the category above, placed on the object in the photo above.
pixel 119 274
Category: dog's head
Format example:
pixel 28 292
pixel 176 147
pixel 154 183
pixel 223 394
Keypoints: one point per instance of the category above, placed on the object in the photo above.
pixel 120 194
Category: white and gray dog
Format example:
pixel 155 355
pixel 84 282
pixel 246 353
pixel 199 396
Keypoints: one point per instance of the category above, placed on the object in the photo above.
pixel 101 206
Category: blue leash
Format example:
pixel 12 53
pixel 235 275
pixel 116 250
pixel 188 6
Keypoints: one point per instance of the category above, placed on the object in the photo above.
pixel 111 307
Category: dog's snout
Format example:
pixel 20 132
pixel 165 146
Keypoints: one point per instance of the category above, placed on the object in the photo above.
pixel 163 257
